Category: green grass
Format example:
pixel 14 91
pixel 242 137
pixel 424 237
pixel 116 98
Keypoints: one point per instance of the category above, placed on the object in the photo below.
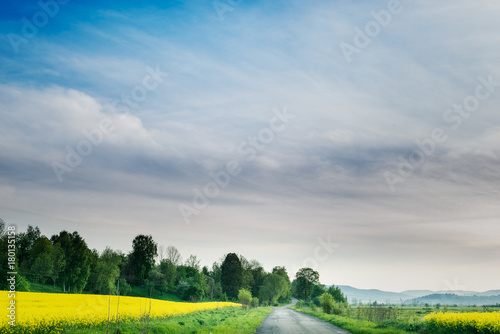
pixel 142 291
pixel 227 320
pixel 355 326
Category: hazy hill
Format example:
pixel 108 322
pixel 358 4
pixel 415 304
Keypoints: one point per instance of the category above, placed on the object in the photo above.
pixel 451 299
pixel 421 296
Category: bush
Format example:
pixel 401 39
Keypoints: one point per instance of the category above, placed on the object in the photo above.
pixel 300 304
pixel 244 297
pixel 327 303
pixel 255 302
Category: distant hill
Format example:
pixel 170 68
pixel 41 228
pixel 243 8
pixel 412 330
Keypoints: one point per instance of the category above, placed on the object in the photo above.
pixel 451 299
pixel 490 297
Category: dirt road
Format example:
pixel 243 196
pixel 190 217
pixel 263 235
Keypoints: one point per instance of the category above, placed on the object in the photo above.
pixel 286 321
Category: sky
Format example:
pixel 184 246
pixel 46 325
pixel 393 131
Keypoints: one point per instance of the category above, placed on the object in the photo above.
pixel 358 138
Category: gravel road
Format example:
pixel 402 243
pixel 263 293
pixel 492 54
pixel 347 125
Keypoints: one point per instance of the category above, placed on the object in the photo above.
pixel 286 321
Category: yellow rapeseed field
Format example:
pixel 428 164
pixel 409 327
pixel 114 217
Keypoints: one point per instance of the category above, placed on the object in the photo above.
pixel 58 310
pixel 473 322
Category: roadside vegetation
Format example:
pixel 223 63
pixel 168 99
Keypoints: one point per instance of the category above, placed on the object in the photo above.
pixel 391 319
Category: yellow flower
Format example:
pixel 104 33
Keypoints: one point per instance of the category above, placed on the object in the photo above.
pixel 56 311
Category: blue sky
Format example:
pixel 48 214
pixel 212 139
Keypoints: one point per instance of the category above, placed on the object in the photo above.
pixel 221 79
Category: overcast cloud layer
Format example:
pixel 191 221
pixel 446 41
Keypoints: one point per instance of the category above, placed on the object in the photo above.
pixel 172 94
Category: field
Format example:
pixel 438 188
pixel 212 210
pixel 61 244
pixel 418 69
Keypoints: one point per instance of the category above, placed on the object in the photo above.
pixel 401 320
pixel 73 313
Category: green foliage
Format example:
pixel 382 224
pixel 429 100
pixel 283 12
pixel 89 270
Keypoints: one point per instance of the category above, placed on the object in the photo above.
pixel 231 275
pixel 273 288
pixel 305 279
pixel 244 297
pixel 255 302
pixel 78 261
pixel 107 271
pixel 337 294
pixel 144 250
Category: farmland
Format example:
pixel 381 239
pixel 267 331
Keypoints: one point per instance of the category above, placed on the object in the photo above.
pixel 75 313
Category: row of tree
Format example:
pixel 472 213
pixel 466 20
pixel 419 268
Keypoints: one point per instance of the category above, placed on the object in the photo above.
pixel 65 260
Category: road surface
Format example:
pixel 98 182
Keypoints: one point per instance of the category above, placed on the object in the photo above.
pixel 286 321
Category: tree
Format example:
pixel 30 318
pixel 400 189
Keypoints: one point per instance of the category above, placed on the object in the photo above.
pixel 78 257
pixel 173 255
pixel 58 263
pixel 144 250
pixel 305 278
pixel 107 271
pixel 231 275
pixel 159 281
pixel 169 270
pixel 42 268
pixel 24 245
pixel 259 275
pixel 274 287
pixel 327 302
pixel 192 261
pixel 337 294
pixel 283 273
pixel 244 297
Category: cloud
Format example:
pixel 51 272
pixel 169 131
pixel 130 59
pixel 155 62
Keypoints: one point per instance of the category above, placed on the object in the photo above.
pixel 324 174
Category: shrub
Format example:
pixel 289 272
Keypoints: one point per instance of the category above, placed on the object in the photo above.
pixel 255 302
pixel 244 297
pixel 327 303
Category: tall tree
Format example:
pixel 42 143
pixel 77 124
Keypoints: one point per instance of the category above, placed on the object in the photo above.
pixel 58 263
pixel 283 273
pixel 78 260
pixel 173 255
pixel 142 257
pixel 192 261
pixel 107 271
pixel 231 275
pixel 305 278
pixel 24 244
pixel 42 268
pixel 337 294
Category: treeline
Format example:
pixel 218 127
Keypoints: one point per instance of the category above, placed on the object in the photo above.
pixel 65 260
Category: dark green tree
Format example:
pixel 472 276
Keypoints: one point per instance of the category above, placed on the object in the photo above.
pixel 306 278
pixel 78 257
pixel 337 294
pixel 142 257
pixel 231 275
pixel 58 263
pixel 169 270
pixel 25 242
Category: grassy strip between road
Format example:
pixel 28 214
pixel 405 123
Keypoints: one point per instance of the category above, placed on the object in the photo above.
pixel 218 321
pixel 354 326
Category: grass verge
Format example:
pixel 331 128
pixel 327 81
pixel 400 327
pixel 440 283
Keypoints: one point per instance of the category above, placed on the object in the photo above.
pixel 354 326
pixel 227 320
